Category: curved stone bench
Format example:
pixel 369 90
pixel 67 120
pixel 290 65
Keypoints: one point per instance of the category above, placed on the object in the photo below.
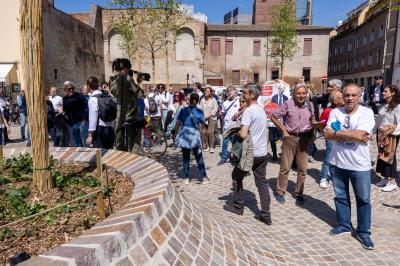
pixel 141 232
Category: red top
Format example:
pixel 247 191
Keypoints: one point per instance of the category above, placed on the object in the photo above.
pixel 325 116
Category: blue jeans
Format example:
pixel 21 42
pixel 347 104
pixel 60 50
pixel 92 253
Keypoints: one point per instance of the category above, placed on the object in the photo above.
pixel 2 142
pixel 25 125
pixel 199 159
pixel 225 144
pixel 74 135
pixel 83 131
pixel 273 135
pixel 312 149
pixel 325 169
pixel 361 182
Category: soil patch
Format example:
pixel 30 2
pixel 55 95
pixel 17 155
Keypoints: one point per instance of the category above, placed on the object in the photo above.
pixel 44 232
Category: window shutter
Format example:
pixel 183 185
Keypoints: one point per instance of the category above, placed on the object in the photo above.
pixel 215 46
pixel 256 47
pixel 236 76
pixel 307 49
pixel 229 47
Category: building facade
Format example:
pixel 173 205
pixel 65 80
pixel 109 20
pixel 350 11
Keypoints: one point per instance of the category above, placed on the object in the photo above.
pixel 237 54
pixel 364 45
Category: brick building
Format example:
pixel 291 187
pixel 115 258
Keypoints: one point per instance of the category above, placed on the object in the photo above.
pixel 364 45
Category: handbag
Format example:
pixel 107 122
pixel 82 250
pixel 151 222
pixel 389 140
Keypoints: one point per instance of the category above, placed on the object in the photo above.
pixel 189 138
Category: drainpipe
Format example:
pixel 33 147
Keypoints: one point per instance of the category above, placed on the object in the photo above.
pixel 386 35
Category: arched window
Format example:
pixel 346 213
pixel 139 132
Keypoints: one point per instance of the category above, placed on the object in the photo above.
pixel 114 44
pixel 185 45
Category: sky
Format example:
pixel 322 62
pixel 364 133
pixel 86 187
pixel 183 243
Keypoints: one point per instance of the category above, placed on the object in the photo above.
pixel 326 12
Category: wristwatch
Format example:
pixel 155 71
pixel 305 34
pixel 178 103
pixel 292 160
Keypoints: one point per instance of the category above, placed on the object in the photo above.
pixel 334 133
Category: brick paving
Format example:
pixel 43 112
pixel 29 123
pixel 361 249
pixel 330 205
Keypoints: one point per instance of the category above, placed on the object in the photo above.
pixel 169 223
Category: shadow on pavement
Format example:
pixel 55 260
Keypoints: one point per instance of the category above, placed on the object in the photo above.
pixel 250 200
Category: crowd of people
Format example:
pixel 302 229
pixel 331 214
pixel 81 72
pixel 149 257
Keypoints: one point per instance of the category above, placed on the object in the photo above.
pixel 112 115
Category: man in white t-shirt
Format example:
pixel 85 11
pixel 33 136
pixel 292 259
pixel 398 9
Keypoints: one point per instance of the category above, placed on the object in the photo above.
pixel 254 123
pixel 350 128
pixel 229 108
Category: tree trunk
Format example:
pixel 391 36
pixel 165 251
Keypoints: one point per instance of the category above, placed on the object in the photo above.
pixel 282 67
pixel 167 65
pixel 153 67
pixel 31 31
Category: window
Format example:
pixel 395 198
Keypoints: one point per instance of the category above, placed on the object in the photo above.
pixel 257 47
pixel 378 56
pixel 307 49
pixel 370 59
pixel 362 61
pixel 55 73
pixel 356 63
pixel 340 66
pixel 362 82
pixel 349 46
pixel 357 42
pixel 229 47
pixel 348 65
pixel 341 49
pixel 275 73
pixel 371 38
pixel 381 30
pixel 256 77
pixel 336 50
pixel 236 77
pixel 215 46
pixel 365 39
pixel 306 73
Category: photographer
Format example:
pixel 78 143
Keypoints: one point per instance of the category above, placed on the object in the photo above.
pixel 128 94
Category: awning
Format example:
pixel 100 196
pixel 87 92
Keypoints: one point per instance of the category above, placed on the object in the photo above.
pixel 4 70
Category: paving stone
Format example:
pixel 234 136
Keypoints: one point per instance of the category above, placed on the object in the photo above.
pixel 169 256
pixel 81 255
pixel 157 235
pixel 165 226
pixel 138 256
pixel 175 245
pixel 149 246
pixel 124 262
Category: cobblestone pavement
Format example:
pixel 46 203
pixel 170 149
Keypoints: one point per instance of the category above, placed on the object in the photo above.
pixel 299 235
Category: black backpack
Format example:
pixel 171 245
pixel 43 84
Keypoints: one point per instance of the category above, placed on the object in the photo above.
pixel 107 107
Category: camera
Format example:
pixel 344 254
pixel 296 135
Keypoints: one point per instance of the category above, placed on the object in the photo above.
pixel 145 76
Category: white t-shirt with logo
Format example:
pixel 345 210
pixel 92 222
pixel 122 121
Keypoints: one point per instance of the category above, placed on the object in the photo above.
pixel 157 99
pixel 255 117
pixel 234 108
pixel 351 155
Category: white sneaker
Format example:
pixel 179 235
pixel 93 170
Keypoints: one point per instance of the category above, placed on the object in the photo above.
pixel 206 149
pixel 382 182
pixel 205 181
pixel 212 150
pixel 323 183
pixel 389 187
pixel 311 159
pixel 187 181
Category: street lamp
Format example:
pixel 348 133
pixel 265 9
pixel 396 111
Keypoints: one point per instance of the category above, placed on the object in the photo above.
pixel 187 80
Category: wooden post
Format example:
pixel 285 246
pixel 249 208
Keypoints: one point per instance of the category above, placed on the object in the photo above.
pixel 99 167
pixel 31 33
pixel 101 206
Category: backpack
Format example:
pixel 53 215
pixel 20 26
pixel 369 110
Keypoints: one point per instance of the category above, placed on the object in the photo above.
pixel 153 106
pixel 107 107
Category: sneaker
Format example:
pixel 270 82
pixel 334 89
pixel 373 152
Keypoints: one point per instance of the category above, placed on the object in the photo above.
pixel 366 242
pixel 300 200
pixel 266 220
pixel 205 181
pixel 382 182
pixel 28 144
pixel 187 181
pixel 234 209
pixel 389 187
pixel 221 162
pixel 280 198
pixel 212 150
pixel 207 149
pixel 311 159
pixel 323 183
pixel 338 230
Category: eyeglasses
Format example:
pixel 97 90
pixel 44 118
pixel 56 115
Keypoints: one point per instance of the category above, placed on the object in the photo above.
pixel 242 101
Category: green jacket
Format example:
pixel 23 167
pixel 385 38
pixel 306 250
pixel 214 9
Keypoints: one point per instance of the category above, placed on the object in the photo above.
pixel 127 93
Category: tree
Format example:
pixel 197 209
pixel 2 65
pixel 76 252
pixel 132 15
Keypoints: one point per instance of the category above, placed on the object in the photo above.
pixel 31 31
pixel 283 34
pixel 147 27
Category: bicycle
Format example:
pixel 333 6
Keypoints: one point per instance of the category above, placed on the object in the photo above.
pixel 154 141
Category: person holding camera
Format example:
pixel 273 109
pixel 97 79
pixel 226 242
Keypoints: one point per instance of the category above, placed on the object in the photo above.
pixel 128 94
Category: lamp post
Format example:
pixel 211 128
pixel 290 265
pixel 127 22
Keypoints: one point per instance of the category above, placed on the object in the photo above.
pixel 187 80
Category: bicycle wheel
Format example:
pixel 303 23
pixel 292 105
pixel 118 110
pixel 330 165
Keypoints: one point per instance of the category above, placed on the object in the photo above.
pixel 155 143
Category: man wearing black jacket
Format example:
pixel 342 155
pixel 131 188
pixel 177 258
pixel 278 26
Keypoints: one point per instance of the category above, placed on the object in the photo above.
pixel 375 94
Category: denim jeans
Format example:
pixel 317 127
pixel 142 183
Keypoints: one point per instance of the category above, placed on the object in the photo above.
pixel 325 169
pixel 225 144
pixel 273 136
pixel 361 182
pixel 25 126
pixel 83 131
pixel 199 158
pixel 75 136
pixel 2 142
pixel 312 149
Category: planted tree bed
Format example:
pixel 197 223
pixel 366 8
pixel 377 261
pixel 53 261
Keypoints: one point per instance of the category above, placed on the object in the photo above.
pixel 50 229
